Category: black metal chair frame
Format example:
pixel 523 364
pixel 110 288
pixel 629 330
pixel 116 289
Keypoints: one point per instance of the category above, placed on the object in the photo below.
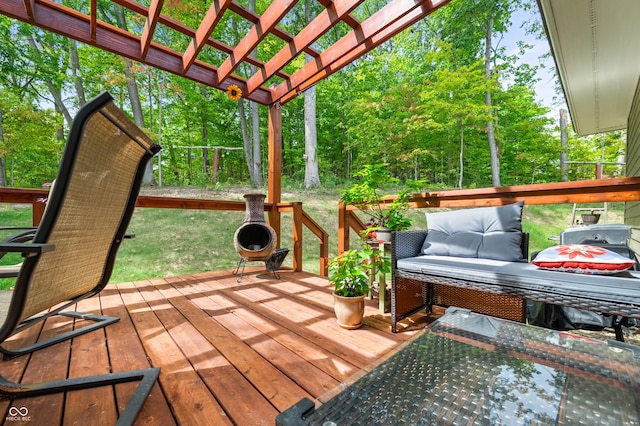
pixel 34 245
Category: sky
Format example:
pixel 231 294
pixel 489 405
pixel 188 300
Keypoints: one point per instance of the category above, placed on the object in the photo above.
pixel 545 87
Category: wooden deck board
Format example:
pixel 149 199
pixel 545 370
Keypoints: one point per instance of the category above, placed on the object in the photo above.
pixel 127 353
pixel 229 352
pixel 89 356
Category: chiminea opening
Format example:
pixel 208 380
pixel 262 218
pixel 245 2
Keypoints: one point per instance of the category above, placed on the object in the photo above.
pixel 255 240
pixel 254 237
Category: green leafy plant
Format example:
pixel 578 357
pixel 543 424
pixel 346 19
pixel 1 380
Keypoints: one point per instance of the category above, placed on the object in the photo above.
pixel 349 271
pixel 367 195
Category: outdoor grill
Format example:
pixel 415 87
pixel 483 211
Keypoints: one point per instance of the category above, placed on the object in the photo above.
pixel 613 237
pixel 617 234
pixel 255 240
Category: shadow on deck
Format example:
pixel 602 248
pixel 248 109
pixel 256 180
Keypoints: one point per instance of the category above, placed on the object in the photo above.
pixel 229 352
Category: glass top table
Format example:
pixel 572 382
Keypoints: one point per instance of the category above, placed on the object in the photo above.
pixel 470 369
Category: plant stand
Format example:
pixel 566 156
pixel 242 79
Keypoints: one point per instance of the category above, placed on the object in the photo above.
pixel 381 283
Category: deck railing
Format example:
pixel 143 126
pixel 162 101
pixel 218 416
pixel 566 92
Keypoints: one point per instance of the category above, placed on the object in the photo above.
pixel 587 191
pixel 37 199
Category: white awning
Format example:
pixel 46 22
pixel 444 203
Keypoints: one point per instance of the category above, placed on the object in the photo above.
pixel 596 45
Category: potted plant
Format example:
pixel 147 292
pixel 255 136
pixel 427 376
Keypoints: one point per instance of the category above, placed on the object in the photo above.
pixel 367 195
pixel 349 274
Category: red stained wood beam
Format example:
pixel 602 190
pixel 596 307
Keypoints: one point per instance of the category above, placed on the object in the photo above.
pixel 233 6
pixel 267 22
pixel 381 26
pixel 190 32
pixel 309 34
pixel 73 24
pixel 208 24
pixel 94 19
pixel 28 5
pixel 347 19
pixel 150 26
pixel 254 18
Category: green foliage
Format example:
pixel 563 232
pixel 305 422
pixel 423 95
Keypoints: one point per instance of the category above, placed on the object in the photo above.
pixel 348 273
pixel 366 195
pixel 29 143
pixel 415 103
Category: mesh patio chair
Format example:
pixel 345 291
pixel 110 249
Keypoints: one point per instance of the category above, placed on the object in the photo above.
pixel 71 254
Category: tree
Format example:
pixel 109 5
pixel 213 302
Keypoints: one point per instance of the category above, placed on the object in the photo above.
pixel 311 176
pixel 134 97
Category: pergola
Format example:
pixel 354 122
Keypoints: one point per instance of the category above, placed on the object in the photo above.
pixel 267 82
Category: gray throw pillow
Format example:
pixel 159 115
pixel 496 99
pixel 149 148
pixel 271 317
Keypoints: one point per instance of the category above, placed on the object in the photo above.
pixel 487 232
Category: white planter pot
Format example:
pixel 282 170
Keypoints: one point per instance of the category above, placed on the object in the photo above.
pixel 383 234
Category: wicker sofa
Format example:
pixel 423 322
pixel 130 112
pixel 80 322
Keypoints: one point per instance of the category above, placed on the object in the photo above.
pixel 497 287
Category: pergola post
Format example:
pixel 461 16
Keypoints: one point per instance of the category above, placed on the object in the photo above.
pixel 274 191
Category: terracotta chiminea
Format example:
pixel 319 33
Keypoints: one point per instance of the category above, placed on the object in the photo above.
pixel 255 240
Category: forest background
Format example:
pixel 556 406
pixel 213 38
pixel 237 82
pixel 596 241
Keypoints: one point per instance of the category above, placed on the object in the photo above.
pixel 444 102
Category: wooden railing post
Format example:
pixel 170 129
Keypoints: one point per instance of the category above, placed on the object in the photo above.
pixel 324 256
pixel 343 228
pixel 297 236
pixel 37 211
pixel 274 194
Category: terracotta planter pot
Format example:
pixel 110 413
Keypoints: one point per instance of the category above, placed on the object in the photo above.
pixel 349 311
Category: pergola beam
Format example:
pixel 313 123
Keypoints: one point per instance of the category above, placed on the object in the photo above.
pixel 203 32
pixel 380 27
pixel 267 22
pixel 254 18
pixel 190 32
pixel 149 26
pixel 312 32
pixel 84 26
pixel 73 24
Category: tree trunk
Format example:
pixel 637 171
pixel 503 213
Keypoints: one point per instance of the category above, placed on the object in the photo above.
pixel 134 97
pixel 564 146
pixel 55 92
pixel 246 141
pixel 252 146
pixel 255 132
pixel 493 147
pixel 311 176
pixel 3 159
pixel 461 158
pixel 75 71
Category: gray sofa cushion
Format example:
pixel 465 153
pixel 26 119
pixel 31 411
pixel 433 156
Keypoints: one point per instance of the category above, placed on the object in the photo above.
pixel 525 275
pixel 487 232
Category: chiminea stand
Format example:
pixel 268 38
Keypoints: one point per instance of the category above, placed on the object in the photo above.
pixel 272 264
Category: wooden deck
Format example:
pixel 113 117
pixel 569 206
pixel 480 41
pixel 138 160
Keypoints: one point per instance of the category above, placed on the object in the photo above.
pixel 230 353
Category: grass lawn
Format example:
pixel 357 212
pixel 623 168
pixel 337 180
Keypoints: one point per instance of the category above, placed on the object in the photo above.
pixel 171 242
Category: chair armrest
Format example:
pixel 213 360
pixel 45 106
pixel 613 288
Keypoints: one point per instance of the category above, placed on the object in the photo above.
pixel 17 228
pixel 406 244
pixel 31 248
pixel 22 237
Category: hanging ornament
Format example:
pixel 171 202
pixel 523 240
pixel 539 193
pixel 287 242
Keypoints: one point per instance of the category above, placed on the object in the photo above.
pixel 234 93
